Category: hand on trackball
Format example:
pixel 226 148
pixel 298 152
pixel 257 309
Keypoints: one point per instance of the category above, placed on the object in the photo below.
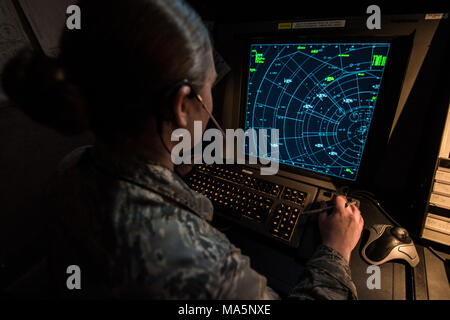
pixel 342 228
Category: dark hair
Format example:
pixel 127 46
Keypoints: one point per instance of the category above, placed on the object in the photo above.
pixel 114 72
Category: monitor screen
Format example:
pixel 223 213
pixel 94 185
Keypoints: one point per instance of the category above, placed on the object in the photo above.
pixel 321 97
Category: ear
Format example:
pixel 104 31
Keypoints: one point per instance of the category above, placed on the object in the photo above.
pixel 181 104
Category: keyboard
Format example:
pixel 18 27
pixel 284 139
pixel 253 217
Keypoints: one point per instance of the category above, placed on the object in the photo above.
pixel 272 209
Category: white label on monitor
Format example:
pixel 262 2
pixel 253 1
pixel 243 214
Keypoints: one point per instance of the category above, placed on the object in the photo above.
pixel 434 16
pixel 438 223
pixel 440 200
pixel 436 236
pixel 318 24
pixel 442 175
pixel 441 188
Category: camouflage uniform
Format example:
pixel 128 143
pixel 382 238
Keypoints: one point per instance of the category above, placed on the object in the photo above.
pixel 140 231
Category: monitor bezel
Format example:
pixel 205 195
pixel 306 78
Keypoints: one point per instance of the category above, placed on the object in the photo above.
pixel 382 119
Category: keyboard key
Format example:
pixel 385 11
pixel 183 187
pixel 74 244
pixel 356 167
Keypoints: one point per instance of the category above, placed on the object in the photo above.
pixel 241 195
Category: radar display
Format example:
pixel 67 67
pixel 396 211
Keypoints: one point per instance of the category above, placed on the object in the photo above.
pixel 321 97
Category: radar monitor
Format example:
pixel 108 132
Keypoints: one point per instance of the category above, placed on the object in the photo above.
pixel 321 97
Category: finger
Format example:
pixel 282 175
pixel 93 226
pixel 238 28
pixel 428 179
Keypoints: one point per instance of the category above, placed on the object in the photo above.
pixel 354 208
pixel 356 214
pixel 340 202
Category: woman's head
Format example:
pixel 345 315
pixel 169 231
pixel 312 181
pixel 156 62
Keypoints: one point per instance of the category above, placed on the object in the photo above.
pixel 118 71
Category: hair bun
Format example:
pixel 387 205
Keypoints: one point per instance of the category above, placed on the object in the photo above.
pixel 36 84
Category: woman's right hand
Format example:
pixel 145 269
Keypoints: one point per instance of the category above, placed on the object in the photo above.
pixel 341 229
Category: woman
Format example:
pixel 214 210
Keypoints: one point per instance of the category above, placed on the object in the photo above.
pixel 120 212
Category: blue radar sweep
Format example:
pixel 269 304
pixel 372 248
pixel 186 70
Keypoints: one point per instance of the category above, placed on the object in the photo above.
pixel 321 97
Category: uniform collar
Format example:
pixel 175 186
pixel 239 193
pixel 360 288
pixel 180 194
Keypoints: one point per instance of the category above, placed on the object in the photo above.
pixel 172 186
pixel 156 178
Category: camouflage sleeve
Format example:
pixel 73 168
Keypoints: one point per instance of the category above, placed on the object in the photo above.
pixel 177 255
pixel 326 276
pixel 205 265
pixel 243 282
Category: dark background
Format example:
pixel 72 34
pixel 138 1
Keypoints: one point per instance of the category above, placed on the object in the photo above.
pixel 233 11
pixel 30 152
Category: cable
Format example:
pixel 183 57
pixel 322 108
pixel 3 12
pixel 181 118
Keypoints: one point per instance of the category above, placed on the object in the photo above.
pixel 433 251
pixel 369 196
pixel 164 144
